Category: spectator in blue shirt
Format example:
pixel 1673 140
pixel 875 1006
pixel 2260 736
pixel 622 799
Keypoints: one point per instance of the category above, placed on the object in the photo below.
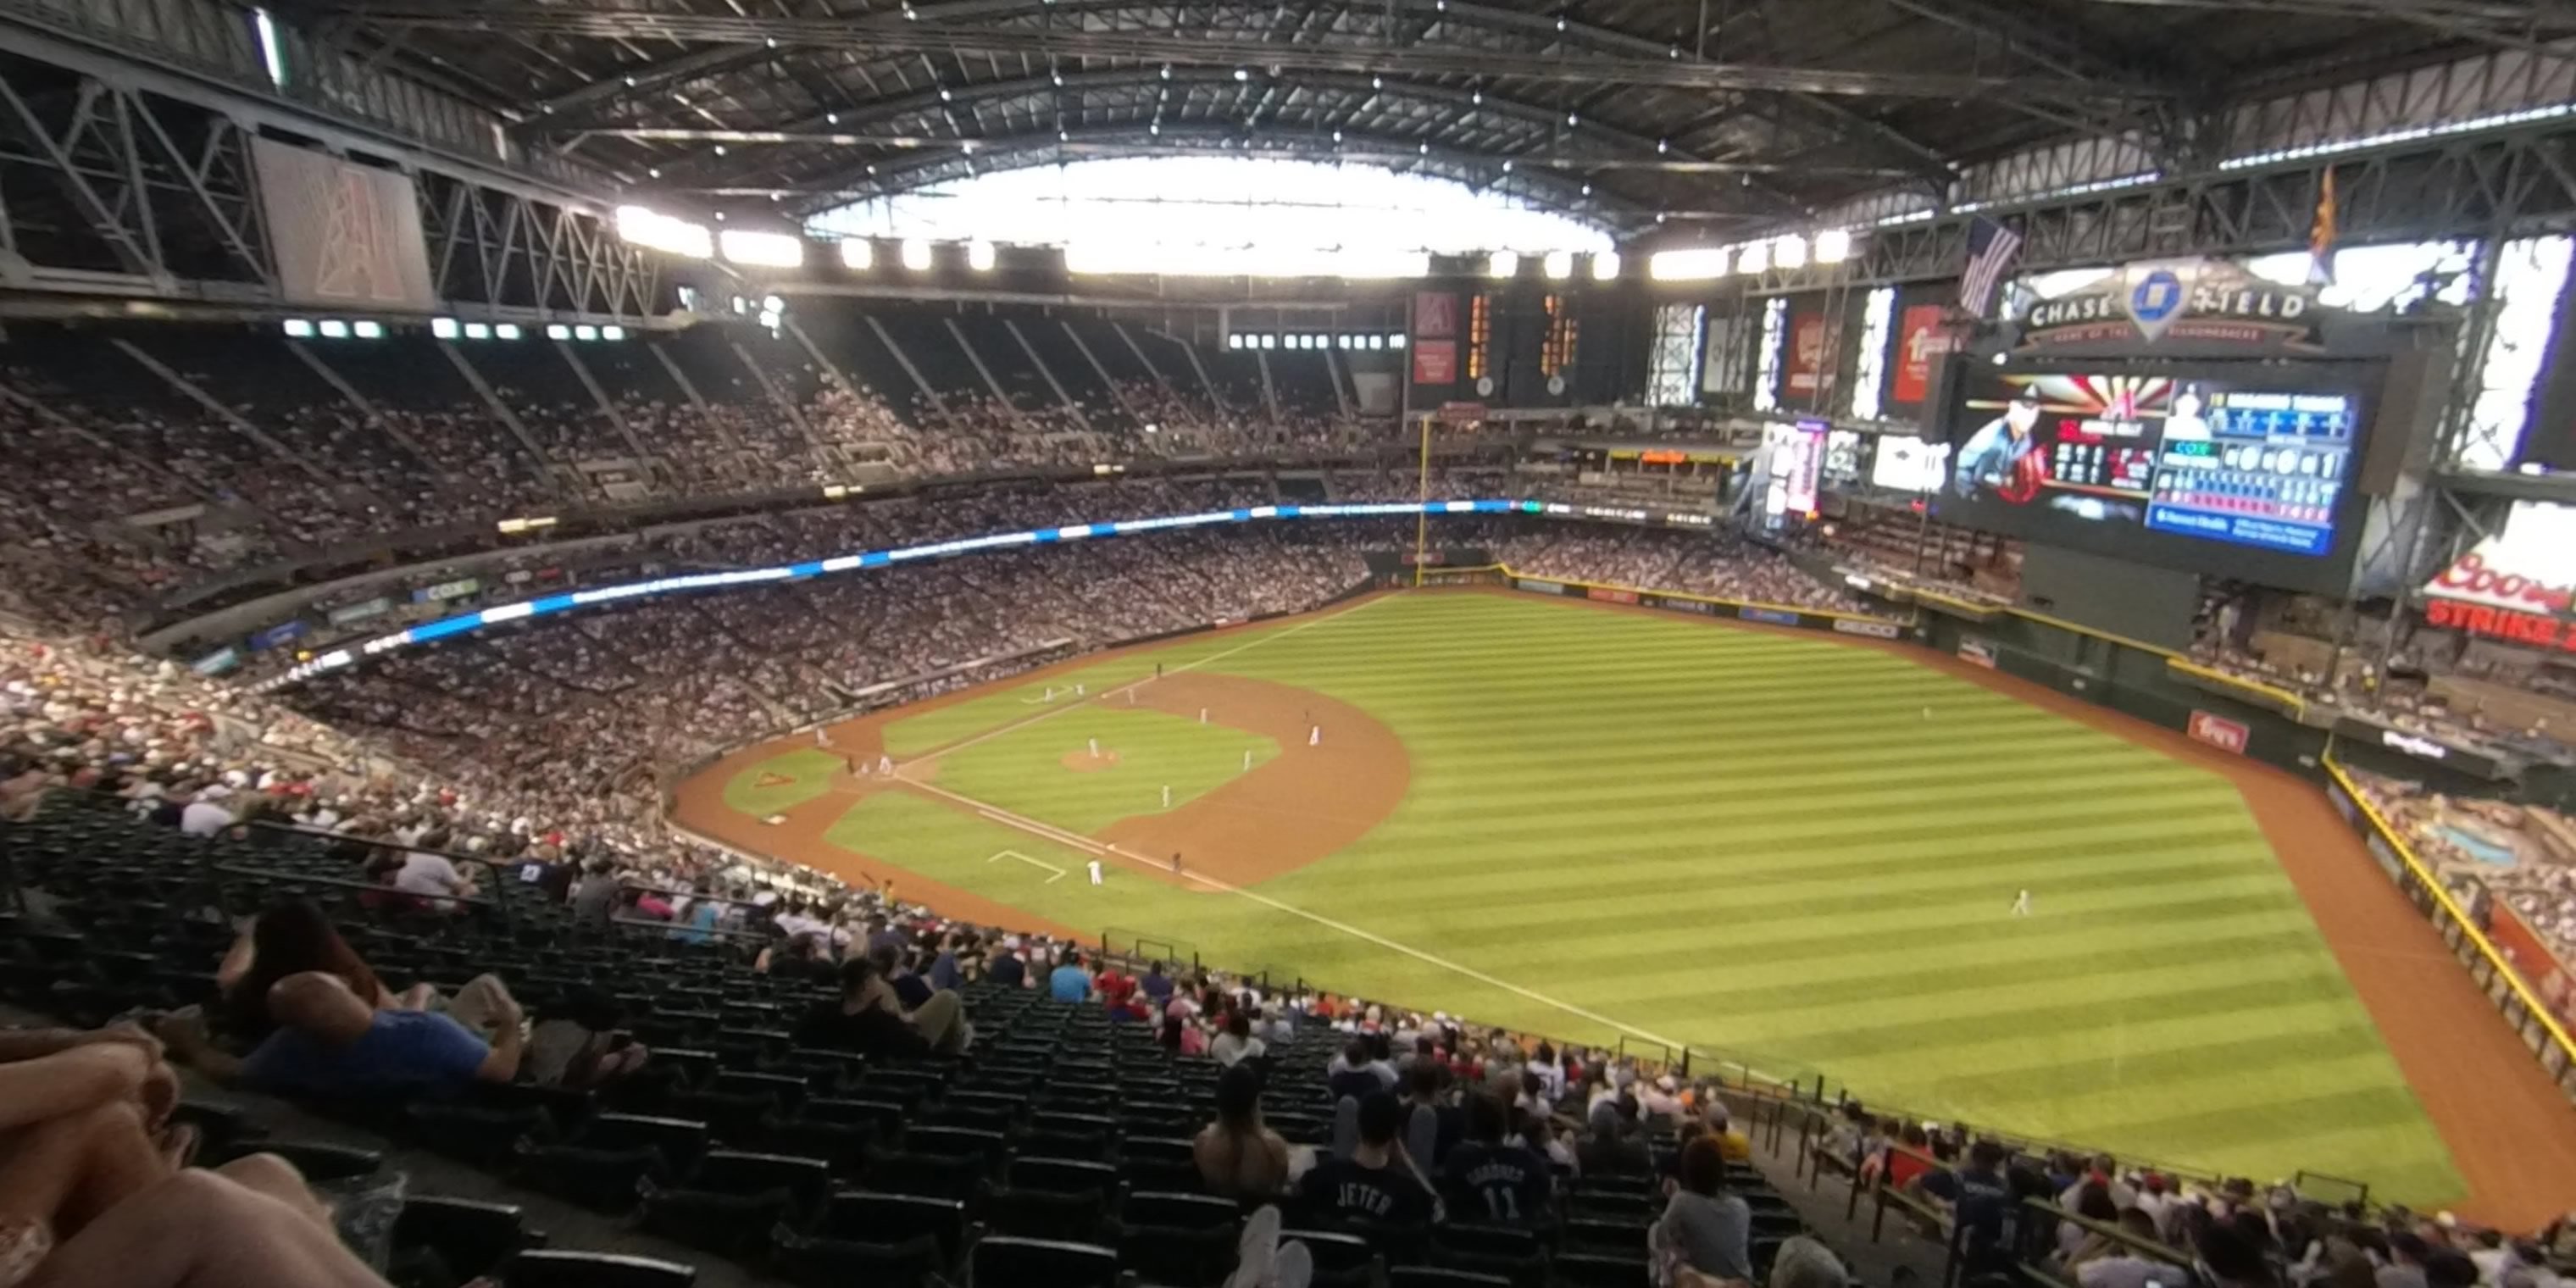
pixel 330 1043
pixel 1070 982
pixel 1157 986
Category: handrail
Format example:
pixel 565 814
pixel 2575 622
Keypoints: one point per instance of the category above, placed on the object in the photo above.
pixel 2298 705
pixel 2111 1230
pixel 2441 893
pixel 349 883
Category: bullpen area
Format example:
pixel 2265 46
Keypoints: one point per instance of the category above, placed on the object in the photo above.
pixel 1786 850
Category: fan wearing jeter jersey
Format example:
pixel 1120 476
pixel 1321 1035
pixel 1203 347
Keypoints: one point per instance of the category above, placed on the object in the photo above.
pixel 1377 1183
pixel 1491 1178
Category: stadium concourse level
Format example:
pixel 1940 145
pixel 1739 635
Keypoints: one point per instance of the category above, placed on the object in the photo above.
pixel 112 435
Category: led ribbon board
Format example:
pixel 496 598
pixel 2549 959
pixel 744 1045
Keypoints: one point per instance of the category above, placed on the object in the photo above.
pixel 467 623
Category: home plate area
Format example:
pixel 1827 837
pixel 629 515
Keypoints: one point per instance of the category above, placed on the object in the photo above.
pixel 1054 873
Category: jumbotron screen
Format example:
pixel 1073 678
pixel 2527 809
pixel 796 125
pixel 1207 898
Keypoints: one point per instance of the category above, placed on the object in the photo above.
pixel 2247 475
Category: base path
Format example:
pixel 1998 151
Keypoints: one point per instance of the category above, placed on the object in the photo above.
pixel 1291 810
pixel 2511 1132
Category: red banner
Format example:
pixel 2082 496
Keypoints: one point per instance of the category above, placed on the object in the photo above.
pixel 1811 356
pixel 1918 341
pixel 2219 732
pixel 1609 596
pixel 1435 315
pixel 1435 362
pixel 2531 958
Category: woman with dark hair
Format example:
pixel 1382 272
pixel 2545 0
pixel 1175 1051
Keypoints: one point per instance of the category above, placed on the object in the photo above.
pixel 2093 1203
pixel 1705 1233
pixel 291 939
pixel 1238 1158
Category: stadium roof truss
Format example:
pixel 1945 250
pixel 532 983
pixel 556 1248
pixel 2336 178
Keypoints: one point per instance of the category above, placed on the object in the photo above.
pixel 1701 111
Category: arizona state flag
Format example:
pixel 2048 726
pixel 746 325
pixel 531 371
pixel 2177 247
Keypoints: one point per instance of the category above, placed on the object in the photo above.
pixel 2321 232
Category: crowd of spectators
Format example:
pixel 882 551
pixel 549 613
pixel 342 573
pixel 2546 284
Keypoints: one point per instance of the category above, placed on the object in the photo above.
pixel 1718 565
pixel 2099 1224
pixel 2538 880
pixel 2400 697
pixel 326 472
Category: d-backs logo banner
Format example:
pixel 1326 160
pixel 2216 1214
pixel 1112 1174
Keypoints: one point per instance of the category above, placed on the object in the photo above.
pixel 2176 302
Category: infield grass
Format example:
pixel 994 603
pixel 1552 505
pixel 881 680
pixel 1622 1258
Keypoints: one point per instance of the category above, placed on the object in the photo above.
pixel 1788 851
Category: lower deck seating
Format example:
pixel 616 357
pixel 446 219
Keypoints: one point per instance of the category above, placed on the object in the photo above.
pixel 1056 1152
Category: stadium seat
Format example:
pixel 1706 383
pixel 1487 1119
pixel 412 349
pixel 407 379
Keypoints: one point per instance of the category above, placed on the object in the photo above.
pixel 1597 1270
pixel 470 1238
pixel 817 1262
pixel 1441 1277
pixel 1340 1260
pixel 1001 1259
pixel 550 1269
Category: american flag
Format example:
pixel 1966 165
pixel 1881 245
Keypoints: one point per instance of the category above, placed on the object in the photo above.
pixel 1991 248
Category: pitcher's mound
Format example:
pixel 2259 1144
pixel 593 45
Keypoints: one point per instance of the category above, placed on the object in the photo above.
pixel 1083 762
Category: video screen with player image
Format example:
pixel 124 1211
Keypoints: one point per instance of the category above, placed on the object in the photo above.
pixel 2156 466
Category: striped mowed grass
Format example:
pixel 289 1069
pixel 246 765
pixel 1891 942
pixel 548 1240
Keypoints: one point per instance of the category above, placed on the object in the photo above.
pixel 1623 825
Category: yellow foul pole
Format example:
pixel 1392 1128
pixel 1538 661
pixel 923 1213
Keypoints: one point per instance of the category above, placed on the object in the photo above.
pixel 1422 493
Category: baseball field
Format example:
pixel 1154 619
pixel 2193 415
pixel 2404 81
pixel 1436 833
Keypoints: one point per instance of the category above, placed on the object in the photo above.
pixel 1796 852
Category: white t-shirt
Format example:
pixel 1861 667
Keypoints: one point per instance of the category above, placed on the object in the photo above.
pixel 205 818
pixel 426 873
pixel 1228 1048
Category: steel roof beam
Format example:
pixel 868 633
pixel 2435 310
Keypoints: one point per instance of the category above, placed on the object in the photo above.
pixel 967 26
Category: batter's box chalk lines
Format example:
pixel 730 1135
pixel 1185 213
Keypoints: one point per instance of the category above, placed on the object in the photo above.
pixel 1032 862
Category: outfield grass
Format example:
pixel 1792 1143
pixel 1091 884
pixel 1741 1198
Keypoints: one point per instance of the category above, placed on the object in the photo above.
pixel 1761 845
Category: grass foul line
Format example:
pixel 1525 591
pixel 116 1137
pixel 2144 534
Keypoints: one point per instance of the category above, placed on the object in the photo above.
pixel 1139 682
pixel 1032 862
pixel 1086 844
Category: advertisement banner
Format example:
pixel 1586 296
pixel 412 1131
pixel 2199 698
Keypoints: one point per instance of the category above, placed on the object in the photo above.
pixel 1770 616
pixel 1700 607
pixel 1795 454
pixel 1435 362
pixel 1874 630
pixel 2531 958
pixel 1542 587
pixel 446 590
pixel 1919 343
pixel 2219 732
pixel 1435 315
pixel 217 662
pixel 2199 302
pixel 2342 803
pixel 280 634
pixel 1608 595
pixel 2388 860
pixel 1812 347
pixel 1977 651
pixel 346 235
pixel 360 611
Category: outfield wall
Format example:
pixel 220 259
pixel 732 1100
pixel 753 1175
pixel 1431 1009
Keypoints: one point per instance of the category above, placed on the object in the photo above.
pixel 2164 688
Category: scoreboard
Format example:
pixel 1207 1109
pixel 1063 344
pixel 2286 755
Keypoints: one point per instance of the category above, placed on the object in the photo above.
pixel 2262 469
pixel 2243 472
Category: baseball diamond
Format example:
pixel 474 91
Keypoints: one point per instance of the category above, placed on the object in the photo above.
pixel 1623 827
